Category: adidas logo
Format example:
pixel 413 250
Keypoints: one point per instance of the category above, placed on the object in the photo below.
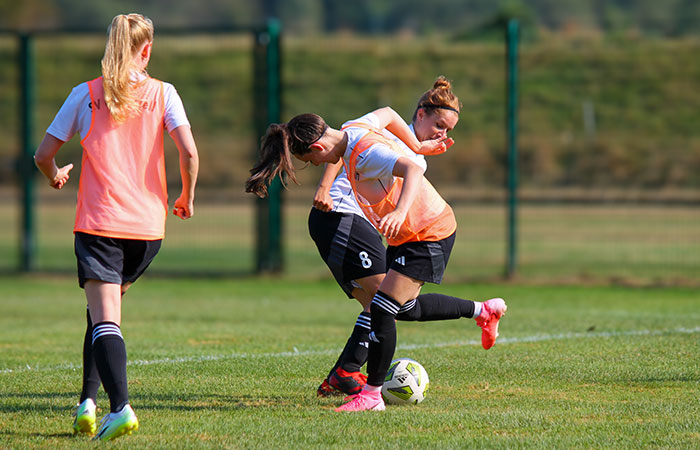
pixel 401 260
pixel 373 338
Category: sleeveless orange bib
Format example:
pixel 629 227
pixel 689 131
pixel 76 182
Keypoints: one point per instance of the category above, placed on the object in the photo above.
pixel 429 218
pixel 123 191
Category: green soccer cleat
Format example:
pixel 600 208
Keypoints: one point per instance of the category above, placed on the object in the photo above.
pixel 84 415
pixel 117 424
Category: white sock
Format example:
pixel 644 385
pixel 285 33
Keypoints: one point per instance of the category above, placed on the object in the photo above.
pixel 371 389
pixel 477 309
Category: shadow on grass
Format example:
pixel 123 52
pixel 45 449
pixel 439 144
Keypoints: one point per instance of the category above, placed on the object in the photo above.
pixel 25 434
pixel 35 401
pixel 44 402
pixel 213 402
pixel 40 403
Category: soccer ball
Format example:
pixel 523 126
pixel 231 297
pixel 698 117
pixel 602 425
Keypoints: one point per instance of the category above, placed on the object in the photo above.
pixel 405 383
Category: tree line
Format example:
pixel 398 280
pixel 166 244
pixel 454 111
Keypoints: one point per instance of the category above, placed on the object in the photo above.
pixel 459 18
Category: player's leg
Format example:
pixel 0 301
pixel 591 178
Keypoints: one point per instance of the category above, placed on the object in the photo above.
pixel 109 349
pixel 427 261
pixel 395 290
pixel 137 256
pixel 85 411
pixel 106 268
pixel 346 376
pixel 355 353
pixel 99 261
pixel 354 252
pixel 411 265
pixel 91 379
pixel 104 300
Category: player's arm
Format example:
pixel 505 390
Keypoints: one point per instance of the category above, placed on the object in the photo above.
pixel 322 198
pixel 189 169
pixel 392 121
pixel 45 160
pixel 412 174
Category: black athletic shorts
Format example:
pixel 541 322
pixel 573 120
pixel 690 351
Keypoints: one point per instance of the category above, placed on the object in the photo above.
pixel 424 261
pixel 112 260
pixel 349 245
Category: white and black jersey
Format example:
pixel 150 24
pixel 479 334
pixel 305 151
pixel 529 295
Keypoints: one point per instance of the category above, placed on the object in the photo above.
pixel 349 244
pixel 75 115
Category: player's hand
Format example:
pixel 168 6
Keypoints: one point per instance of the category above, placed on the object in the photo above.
pixel 62 176
pixel 390 224
pixel 323 200
pixel 183 207
pixel 435 146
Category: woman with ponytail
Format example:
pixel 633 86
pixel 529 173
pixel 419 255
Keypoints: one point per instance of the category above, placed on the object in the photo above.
pixel 338 226
pixel 392 193
pixel 122 200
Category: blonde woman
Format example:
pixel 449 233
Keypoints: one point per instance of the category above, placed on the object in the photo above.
pixel 122 200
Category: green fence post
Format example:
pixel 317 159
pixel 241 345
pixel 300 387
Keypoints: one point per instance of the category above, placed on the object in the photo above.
pixel 26 157
pixel 267 71
pixel 512 35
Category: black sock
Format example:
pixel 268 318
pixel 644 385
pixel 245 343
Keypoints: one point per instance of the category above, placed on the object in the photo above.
pixel 110 356
pixel 354 354
pixel 427 307
pixel 91 379
pixel 382 339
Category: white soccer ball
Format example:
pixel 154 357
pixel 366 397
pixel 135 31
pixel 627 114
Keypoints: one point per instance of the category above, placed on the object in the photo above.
pixel 406 382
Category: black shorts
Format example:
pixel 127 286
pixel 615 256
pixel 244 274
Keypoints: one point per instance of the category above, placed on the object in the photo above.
pixel 349 245
pixel 424 261
pixel 112 260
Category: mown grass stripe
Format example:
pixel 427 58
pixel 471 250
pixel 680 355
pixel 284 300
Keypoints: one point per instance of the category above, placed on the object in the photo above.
pixel 295 352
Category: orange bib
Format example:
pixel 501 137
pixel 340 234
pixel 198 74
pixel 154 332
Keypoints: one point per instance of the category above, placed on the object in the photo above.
pixel 123 192
pixel 429 218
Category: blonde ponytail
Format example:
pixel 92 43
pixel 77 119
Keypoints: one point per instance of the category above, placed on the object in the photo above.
pixel 127 33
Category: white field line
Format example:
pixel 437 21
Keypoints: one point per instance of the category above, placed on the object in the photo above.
pixel 296 353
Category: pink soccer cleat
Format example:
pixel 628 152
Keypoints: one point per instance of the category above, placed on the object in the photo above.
pixel 491 312
pixel 364 401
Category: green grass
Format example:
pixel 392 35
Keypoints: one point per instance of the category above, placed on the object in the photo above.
pixel 235 364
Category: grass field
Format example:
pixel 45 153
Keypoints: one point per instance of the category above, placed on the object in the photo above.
pixel 235 364
pixel 600 243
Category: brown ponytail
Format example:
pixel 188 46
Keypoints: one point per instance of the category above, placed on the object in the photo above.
pixel 280 142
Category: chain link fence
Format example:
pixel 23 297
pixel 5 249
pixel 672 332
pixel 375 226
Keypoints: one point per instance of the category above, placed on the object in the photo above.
pixel 608 143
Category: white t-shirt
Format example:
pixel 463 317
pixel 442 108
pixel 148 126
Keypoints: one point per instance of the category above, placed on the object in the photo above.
pixel 380 166
pixel 75 116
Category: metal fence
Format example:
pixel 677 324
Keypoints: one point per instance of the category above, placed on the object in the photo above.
pixel 607 190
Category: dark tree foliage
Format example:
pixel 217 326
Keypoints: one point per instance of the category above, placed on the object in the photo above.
pixel 465 18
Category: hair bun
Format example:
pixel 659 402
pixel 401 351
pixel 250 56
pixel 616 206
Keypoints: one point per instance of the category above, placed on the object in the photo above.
pixel 442 83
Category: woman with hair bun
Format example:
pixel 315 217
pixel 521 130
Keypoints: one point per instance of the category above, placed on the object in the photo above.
pixel 394 196
pixel 353 249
